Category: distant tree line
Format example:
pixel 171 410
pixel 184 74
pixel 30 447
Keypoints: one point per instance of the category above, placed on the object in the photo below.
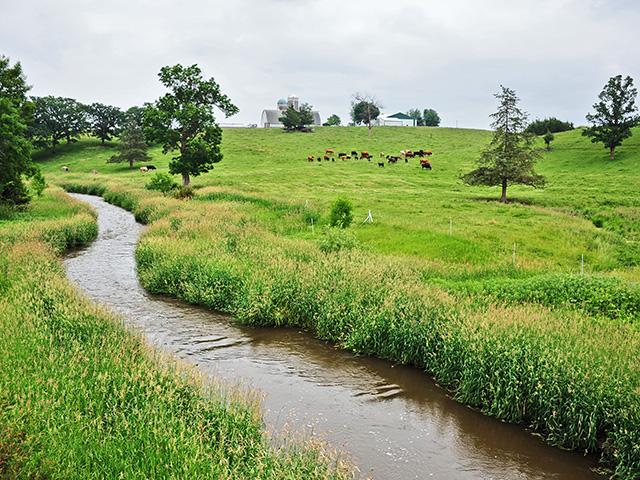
pixel 426 118
pixel 549 125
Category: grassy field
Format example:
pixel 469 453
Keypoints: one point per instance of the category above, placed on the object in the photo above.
pixel 533 342
pixel 81 397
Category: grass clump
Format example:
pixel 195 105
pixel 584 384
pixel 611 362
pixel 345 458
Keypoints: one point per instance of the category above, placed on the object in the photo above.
pixel 162 182
pixel 335 239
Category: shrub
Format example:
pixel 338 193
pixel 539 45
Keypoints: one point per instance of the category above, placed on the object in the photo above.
pixel 336 239
pixel 162 182
pixel 185 192
pixel 37 183
pixel 341 214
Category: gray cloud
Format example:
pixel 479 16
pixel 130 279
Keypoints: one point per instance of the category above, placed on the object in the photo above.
pixel 451 55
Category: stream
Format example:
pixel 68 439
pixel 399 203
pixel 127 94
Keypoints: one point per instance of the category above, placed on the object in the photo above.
pixel 394 421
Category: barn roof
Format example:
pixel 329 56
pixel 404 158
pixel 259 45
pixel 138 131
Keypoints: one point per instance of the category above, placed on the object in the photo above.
pixel 401 116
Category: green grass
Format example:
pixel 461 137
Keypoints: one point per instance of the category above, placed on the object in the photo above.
pixel 81 397
pixel 532 342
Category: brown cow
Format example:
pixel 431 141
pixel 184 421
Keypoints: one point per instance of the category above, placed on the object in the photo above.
pixel 310 158
pixel 366 155
pixel 329 151
pixel 425 164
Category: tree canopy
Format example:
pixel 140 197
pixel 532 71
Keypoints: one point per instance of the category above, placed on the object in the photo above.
pixel 615 114
pixel 416 114
pixel 15 147
pixel 332 121
pixel 297 120
pixel 430 118
pixel 551 124
pixel 365 109
pixel 183 120
pixel 57 118
pixel 511 156
pixel 105 121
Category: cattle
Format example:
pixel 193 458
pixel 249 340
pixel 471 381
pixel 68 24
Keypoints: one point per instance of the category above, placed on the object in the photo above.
pixel 329 151
pixel 319 159
pixel 428 153
pixel 342 154
pixel 327 157
pixel 310 158
pixel 366 155
pixel 381 164
pixel 420 153
pixel 354 154
pixel 151 167
pixel 425 164
pixel 392 158
pixel 144 169
pixel 64 168
pixel 333 159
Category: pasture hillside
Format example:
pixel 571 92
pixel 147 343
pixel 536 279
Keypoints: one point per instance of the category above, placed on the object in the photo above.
pixel 590 206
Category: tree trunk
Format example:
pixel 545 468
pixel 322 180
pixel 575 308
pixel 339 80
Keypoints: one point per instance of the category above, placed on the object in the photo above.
pixel 185 179
pixel 130 163
pixel 370 127
pixel 612 153
pixel 503 198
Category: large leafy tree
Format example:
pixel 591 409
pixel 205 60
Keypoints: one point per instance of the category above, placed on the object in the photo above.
pixel 416 114
pixel 332 121
pixel 365 109
pixel 511 156
pixel 105 121
pixel 430 118
pixel 15 147
pixel 132 147
pixel 297 120
pixel 615 114
pixel 58 118
pixel 183 120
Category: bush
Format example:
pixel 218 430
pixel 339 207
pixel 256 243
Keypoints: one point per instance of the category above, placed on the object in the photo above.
pixel 185 192
pixel 341 214
pixel 162 182
pixel 37 183
pixel 336 239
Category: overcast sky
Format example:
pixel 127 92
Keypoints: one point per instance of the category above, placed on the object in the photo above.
pixel 451 56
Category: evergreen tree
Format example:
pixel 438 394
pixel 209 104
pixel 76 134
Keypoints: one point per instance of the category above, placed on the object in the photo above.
pixel 15 147
pixel 510 157
pixel 183 120
pixel 615 114
pixel 132 147
pixel 548 138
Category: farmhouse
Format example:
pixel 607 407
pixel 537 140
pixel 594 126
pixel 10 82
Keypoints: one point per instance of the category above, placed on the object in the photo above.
pixel 271 118
pixel 396 120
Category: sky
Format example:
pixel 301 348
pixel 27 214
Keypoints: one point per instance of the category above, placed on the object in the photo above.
pixel 448 55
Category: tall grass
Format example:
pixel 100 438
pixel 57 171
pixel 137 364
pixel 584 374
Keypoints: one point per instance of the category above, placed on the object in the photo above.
pixel 81 397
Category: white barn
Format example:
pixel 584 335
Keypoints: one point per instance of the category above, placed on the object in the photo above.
pixel 271 118
pixel 396 120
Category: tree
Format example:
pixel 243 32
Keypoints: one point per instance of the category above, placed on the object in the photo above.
pixel 548 138
pixel 332 121
pixel 134 114
pixel 57 118
pixel 183 120
pixel 132 147
pixel 510 157
pixel 365 109
pixel 417 116
pixel 105 121
pixel 615 114
pixel 551 124
pixel 15 147
pixel 297 120
pixel 431 118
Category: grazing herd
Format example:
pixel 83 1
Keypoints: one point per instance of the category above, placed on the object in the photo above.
pixel 330 155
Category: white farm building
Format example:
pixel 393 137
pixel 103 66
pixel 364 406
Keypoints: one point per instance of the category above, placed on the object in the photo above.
pixel 271 118
pixel 396 120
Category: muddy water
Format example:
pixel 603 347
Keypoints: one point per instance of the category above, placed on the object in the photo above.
pixel 395 422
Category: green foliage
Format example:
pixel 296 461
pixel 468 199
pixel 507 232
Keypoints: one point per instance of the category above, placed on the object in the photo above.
pixel 38 183
pixel 332 121
pixel 430 118
pixel 335 239
pixel 511 156
pixel 341 214
pixel 297 119
pixel 15 147
pixel 162 182
pixel 365 109
pixel 417 116
pixel 615 114
pixel 184 192
pixel 57 118
pixel 548 138
pixel 132 147
pixel 183 120
pixel 104 120
pixel 551 124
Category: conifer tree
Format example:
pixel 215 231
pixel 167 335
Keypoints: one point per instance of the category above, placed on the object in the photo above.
pixel 132 147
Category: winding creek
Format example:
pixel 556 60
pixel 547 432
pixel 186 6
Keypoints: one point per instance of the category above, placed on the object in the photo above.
pixel 393 420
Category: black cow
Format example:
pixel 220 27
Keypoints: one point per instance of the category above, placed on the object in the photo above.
pixel 381 164
pixel 151 167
